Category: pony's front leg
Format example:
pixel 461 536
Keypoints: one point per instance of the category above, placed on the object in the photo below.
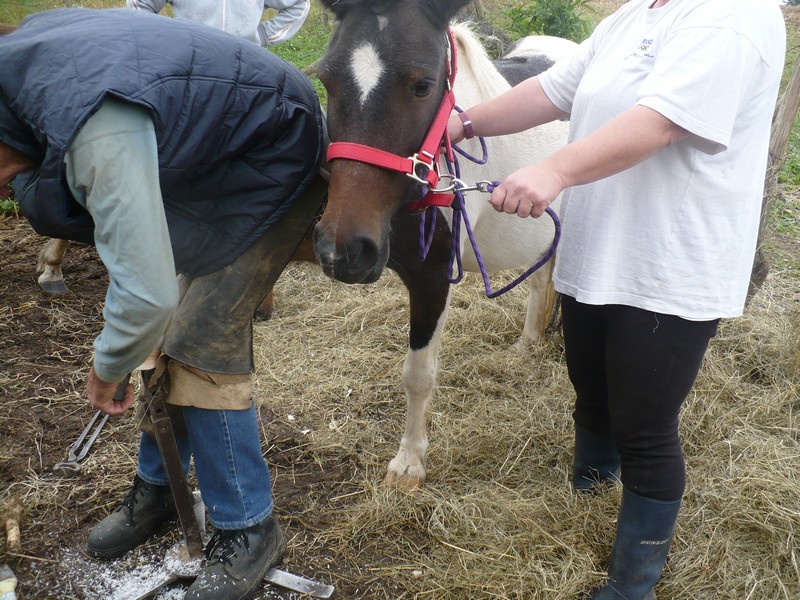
pixel 408 468
pixel 429 296
pixel 48 263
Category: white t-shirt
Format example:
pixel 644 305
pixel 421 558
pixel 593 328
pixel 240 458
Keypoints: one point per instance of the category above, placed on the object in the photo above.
pixel 676 233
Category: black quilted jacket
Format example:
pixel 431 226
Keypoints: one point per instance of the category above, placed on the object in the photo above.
pixel 239 130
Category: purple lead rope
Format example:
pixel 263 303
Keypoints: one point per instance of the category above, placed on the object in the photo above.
pixel 547 255
pixel 459 215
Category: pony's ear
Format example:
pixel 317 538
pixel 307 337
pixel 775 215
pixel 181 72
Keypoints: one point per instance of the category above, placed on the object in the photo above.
pixel 338 7
pixel 441 12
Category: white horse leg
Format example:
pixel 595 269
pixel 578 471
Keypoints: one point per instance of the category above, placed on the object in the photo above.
pixel 48 264
pixel 408 468
pixel 541 303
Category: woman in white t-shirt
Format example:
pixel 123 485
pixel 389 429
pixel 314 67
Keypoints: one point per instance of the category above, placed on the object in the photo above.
pixel 670 104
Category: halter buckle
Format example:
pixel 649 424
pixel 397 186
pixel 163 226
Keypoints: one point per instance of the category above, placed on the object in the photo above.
pixel 421 167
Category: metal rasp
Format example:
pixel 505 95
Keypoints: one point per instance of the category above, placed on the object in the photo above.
pixel 165 436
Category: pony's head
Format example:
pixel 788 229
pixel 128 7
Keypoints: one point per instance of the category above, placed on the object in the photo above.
pixel 384 72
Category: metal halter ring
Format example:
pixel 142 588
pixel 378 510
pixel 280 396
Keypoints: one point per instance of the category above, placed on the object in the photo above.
pixel 451 187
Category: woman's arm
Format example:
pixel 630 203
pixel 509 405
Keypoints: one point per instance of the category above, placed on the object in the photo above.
pixel 628 139
pixel 291 16
pixel 520 108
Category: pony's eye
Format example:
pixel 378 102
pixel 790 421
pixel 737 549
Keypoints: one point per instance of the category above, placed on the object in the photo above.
pixel 423 88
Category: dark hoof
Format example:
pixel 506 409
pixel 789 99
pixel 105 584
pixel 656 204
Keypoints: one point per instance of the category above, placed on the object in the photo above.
pixel 54 288
pixel 262 316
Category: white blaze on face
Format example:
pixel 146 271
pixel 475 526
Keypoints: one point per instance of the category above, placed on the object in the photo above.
pixel 367 69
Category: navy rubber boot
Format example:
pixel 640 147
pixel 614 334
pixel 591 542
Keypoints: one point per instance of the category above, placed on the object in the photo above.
pixel 596 460
pixel 644 533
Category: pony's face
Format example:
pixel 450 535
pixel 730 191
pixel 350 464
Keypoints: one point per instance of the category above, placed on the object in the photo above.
pixel 384 72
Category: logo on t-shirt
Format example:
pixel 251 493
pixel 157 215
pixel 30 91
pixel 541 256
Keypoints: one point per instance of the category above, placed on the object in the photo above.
pixel 643 50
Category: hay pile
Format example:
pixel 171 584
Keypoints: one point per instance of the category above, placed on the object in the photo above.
pixel 496 518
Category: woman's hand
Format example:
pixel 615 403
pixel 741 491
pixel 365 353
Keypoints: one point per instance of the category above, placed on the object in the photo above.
pixel 527 192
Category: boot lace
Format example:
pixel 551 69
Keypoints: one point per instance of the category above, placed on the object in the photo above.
pixel 131 497
pixel 223 545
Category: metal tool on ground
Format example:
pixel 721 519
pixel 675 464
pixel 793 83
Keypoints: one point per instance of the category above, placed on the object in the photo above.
pixel 180 567
pixel 78 451
pixel 183 560
pixel 181 571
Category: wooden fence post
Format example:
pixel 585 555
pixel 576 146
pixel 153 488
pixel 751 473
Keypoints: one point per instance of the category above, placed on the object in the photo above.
pixel 782 123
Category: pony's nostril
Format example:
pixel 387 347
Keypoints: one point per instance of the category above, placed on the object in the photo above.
pixel 358 260
pixel 366 252
pixel 323 248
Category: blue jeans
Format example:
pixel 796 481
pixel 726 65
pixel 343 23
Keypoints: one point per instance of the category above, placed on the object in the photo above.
pixel 232 473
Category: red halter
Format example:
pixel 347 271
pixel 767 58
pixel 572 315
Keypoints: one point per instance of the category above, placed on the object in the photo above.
pixel 422 166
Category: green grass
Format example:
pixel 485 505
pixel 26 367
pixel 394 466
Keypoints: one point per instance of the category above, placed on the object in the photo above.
pixel 13 11
pixel 8 208
pixel 308 45
pixel 784 218
pixel 790 170
pixel 561 18
pixel 784 215
pixel 782 242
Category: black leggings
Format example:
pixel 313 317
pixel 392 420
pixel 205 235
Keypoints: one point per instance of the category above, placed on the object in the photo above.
pixel 631 370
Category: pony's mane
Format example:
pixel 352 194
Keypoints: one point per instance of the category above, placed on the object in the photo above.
pixel 472 57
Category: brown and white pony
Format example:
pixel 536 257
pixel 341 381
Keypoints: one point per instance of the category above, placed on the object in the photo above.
pixel 385 74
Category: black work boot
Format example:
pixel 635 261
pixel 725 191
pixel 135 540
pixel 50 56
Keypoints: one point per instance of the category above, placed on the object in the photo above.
pixel 237 560
pixel 136 519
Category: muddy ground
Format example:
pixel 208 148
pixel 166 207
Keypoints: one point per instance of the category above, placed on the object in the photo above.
pixel 46 351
